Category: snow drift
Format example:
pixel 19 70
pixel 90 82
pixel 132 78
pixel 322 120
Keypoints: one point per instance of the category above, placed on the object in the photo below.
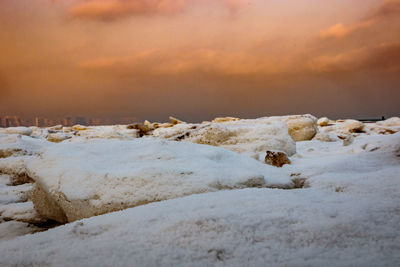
pixel 79 180
pixel 249 137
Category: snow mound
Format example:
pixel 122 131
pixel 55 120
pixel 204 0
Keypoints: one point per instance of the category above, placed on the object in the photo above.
pixel 344 128
pixel 15 150
pixel 348 214
pixel 103 132
pixel 360 167
pixel 249 137
pixel 19 145
pixel 394 121
pixel 249 227
pixel 353 126
pixel 16 130
pixel 79 180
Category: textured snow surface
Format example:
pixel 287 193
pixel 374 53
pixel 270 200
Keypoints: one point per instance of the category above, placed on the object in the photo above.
pixel 255 227
pixel 111 175
pixel 347 215
pixel 19 145
pixel 345 127
pixel 16 130
pixel 12 229
pixel 249 137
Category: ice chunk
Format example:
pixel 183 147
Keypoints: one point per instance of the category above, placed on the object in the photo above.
pixel 324 121
pixel 249 137
pixel 301 127
pixel 78 180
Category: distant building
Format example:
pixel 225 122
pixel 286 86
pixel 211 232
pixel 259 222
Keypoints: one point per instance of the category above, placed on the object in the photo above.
pixel 10 121
pixel 67 121
pixel 94 121
pixel 80 120
pixel 128 120
pixel 15 121
pixel 39 122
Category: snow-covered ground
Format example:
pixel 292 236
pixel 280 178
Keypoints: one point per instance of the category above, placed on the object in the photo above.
pixel 183 204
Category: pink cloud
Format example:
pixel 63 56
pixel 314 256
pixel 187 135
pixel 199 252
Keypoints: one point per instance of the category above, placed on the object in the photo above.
pixel 108 10
pixel 113 9
pixel 340 30
pixel 387 10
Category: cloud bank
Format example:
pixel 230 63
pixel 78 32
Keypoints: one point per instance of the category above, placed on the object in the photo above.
pixel 389 9
pixel 193 59
pixel 110 10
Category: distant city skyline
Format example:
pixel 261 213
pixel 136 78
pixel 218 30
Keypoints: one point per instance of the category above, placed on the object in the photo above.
pixel 15 121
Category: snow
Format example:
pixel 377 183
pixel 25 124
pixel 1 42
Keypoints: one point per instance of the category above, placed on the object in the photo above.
pixel 324 121
pixel 12 229
pixel 348 213
pixel 391 122
pixel 249 137
pixel 103 176
pixel 10 194
pixel 249 227
pixel 19 145
pixel 16 130
pixel 353 125
pixel 346 127
pixel 23 211
pixel 301 127
pixel 105 132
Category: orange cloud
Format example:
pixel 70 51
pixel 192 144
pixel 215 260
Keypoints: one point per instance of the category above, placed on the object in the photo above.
pixel 113 9
pixel 387 9
pixel 384 57
pixel 340 30
pixel 108 10
pixel 190 59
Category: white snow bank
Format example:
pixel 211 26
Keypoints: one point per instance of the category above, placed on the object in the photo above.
pixel 250 227
pixel 78 180
pixel 356 128
pixel 19 145
pixel 15 150
pixel 361 166
pixel 249 137
pixel 391 122
pixel 10 194
pixel 23 212
pixel 104 132
pixel 5 179
pixel 16 130
pixel 349 216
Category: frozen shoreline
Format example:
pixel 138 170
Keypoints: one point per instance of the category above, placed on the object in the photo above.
pixel 347 214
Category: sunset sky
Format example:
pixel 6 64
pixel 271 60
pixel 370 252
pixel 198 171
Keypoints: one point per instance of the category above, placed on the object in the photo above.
pixel 197 59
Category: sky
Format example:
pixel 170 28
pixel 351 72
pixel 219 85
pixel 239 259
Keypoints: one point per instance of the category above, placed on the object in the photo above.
pixel 199 59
